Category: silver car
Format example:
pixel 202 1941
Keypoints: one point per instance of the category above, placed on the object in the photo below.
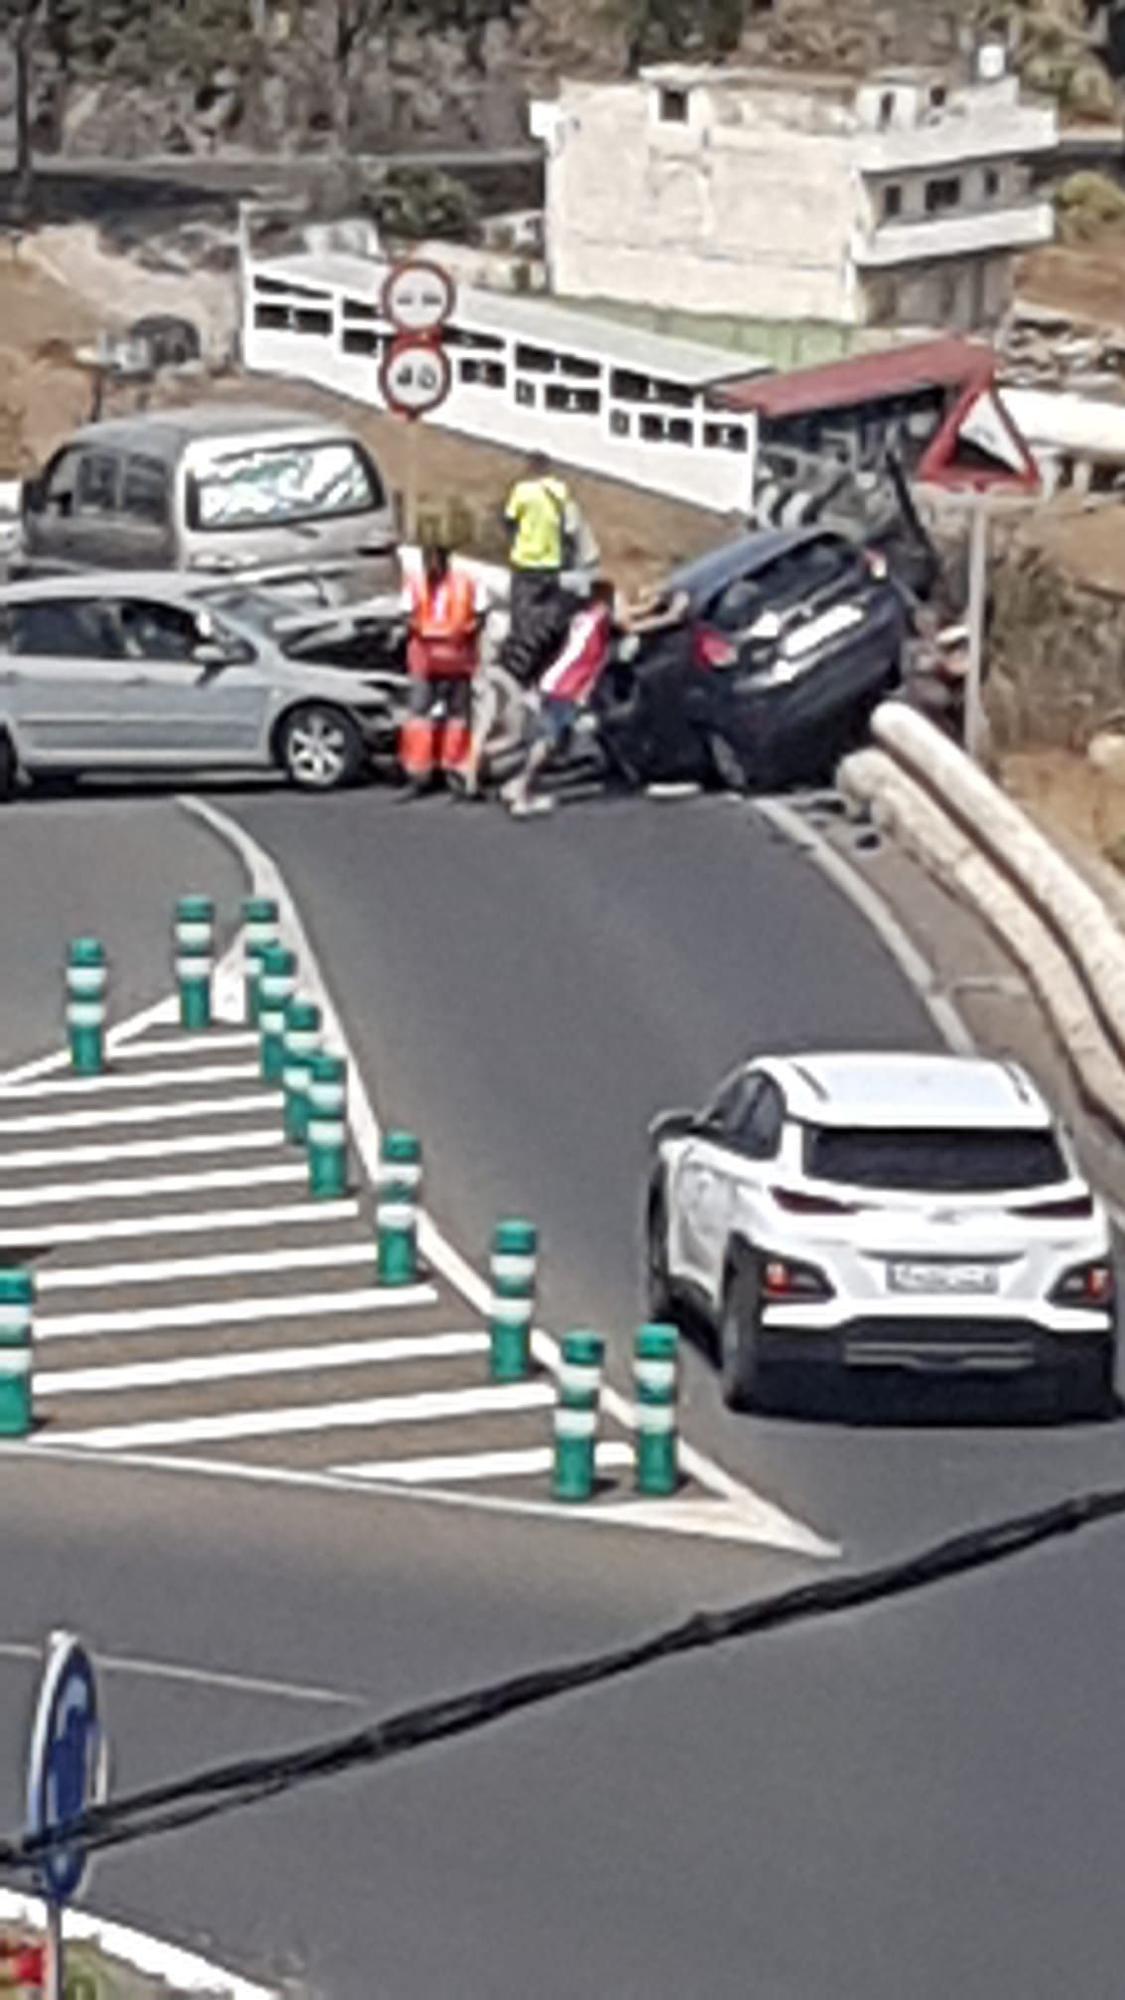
pixel 123 671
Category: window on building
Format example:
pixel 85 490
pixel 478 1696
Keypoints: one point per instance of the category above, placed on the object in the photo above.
pixel 620 424
pixel 938 95
pixel 665 430
pixel 525 393
pixel 991 182
pixel 892 201
pixel 725 437
pixel 886 108
pixel 673 107
pixel 483 374
pixel 572 402
pixel 942 194
pixel 361 340
pixel 539 359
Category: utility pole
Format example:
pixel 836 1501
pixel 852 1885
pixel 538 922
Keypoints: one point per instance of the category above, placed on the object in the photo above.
pixel 976 720
pixel 26 23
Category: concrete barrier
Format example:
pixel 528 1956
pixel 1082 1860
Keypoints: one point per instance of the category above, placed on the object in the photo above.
pixel 923 789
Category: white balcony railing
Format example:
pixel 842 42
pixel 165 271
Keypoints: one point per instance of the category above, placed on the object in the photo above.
pixel 909 239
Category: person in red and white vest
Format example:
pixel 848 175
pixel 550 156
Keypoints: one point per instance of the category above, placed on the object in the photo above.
pixel 565 687
pixel 442 655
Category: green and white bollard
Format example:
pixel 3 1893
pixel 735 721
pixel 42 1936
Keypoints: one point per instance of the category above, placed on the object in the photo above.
pixel 576 1416
pixel 277 983
pixel 260 921
pixel 513 1271
pixel 397 1193
pixel 17 1298
pixel 86 981
pixel 327 1129
pixel 655 1375
pixel 302 1043
pixel 195 957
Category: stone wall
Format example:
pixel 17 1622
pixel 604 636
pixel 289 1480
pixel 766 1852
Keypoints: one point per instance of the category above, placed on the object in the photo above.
pixel 1056 641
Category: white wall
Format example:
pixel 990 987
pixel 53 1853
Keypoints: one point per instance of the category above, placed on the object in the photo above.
pixel 752 219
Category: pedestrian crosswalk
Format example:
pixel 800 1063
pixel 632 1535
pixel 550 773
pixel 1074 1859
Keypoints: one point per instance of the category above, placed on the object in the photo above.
pixel 194 1300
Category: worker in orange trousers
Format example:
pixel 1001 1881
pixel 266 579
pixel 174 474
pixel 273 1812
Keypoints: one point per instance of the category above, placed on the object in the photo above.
pixel 442 657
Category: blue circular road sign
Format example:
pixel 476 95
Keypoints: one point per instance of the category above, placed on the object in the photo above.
pixel 65 1760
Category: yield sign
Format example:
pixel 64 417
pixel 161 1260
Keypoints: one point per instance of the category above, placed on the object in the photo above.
pixel 978 448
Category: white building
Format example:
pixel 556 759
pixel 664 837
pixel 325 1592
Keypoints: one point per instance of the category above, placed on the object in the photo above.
pixel 785 195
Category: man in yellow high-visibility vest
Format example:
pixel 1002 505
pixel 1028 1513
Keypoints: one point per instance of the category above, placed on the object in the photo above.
pixel 542 522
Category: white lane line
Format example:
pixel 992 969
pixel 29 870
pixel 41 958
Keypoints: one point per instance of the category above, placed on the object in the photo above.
pixel 161 1012
pixel 61 1193
pixel 180 1971
pixel 721 1520
pixel 166 1670
pixel 76 1086
pixel 173 1270
pixel 250 1140
pixel 426 1407
pixel 233 1312
pixel 141 1114
pixel 762 1518
pixel 200 1222
pixel 195 1368
pixel 610 1456
pixel 895 940
pixel 187 1045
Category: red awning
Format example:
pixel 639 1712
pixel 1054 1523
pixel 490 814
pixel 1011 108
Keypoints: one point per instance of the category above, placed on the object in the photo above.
pixel 949 363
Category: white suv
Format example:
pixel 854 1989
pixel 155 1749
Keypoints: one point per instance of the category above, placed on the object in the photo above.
pixel 883 1211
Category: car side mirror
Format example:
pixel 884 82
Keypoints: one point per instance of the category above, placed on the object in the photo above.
pixel 31 495
pixel 672 1125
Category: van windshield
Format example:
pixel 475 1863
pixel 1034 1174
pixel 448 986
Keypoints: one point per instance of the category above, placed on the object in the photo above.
pixel 278 485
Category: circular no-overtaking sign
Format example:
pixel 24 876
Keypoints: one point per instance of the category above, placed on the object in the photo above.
pixel 418 297
pixel 415 376
pixel 64 1774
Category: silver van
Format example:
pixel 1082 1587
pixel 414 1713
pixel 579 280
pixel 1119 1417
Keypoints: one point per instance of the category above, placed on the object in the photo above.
pixel 219 487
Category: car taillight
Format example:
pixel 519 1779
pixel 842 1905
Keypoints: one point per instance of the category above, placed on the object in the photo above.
pixel 1091 1284
pixel 785 1278
pixel 799 1203
pixel 1075 1208
pixel 710 649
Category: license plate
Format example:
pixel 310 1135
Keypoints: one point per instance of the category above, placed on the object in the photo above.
pixel 959 1278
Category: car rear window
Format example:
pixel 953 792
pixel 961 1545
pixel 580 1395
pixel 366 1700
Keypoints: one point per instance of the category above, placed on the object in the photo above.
pixel 271 485
pixel 933 1161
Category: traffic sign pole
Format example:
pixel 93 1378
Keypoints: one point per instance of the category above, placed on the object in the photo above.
pixel 54 1969
pixel 65 1775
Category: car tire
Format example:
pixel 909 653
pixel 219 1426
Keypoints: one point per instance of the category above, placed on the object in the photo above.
pixel 9 768
pixel 660 1293
pixel 726 764
pixel 740 1320
pixel 1089 1386
pixel 320 748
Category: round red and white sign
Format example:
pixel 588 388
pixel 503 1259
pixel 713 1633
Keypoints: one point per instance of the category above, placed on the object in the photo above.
pixel 418 296
pixel 415 376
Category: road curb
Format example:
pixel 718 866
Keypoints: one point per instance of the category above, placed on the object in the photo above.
pixel 184 1971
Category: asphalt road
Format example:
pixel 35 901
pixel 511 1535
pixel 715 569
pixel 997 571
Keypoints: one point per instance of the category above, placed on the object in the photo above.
pixel 111 867
pixel 918 1800
pixel 528 996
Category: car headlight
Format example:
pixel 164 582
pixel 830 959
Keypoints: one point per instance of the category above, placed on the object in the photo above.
pixel 1091 1284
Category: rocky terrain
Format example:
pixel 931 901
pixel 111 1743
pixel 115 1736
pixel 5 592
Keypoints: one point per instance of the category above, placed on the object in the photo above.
pixel 140 77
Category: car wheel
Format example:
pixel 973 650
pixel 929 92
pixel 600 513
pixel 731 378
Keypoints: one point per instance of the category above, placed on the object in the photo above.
pixel 8 766
pixel 726 763
pixel 1089 1388
pixel 740 1362
pixel 659 1291
pixel 321 748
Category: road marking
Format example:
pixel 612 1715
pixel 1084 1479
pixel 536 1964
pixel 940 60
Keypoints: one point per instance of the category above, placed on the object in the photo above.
pixel 187 1045
pixel 533 1463
pixel 166 1670
pixel 189 1223
pixel 62 1193
pixel 876 911
pixel 765 1521
pixel 141 1114
pixel 195 1368
pixel 426 1407
pixel 248 1141
pixel 172 1270
pixel 74 1086
pixel 725 1520
pixel 233 1312
pixel 180 1971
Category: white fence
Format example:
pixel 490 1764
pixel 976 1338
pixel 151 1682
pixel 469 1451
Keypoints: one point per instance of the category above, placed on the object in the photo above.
pixel 606 398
